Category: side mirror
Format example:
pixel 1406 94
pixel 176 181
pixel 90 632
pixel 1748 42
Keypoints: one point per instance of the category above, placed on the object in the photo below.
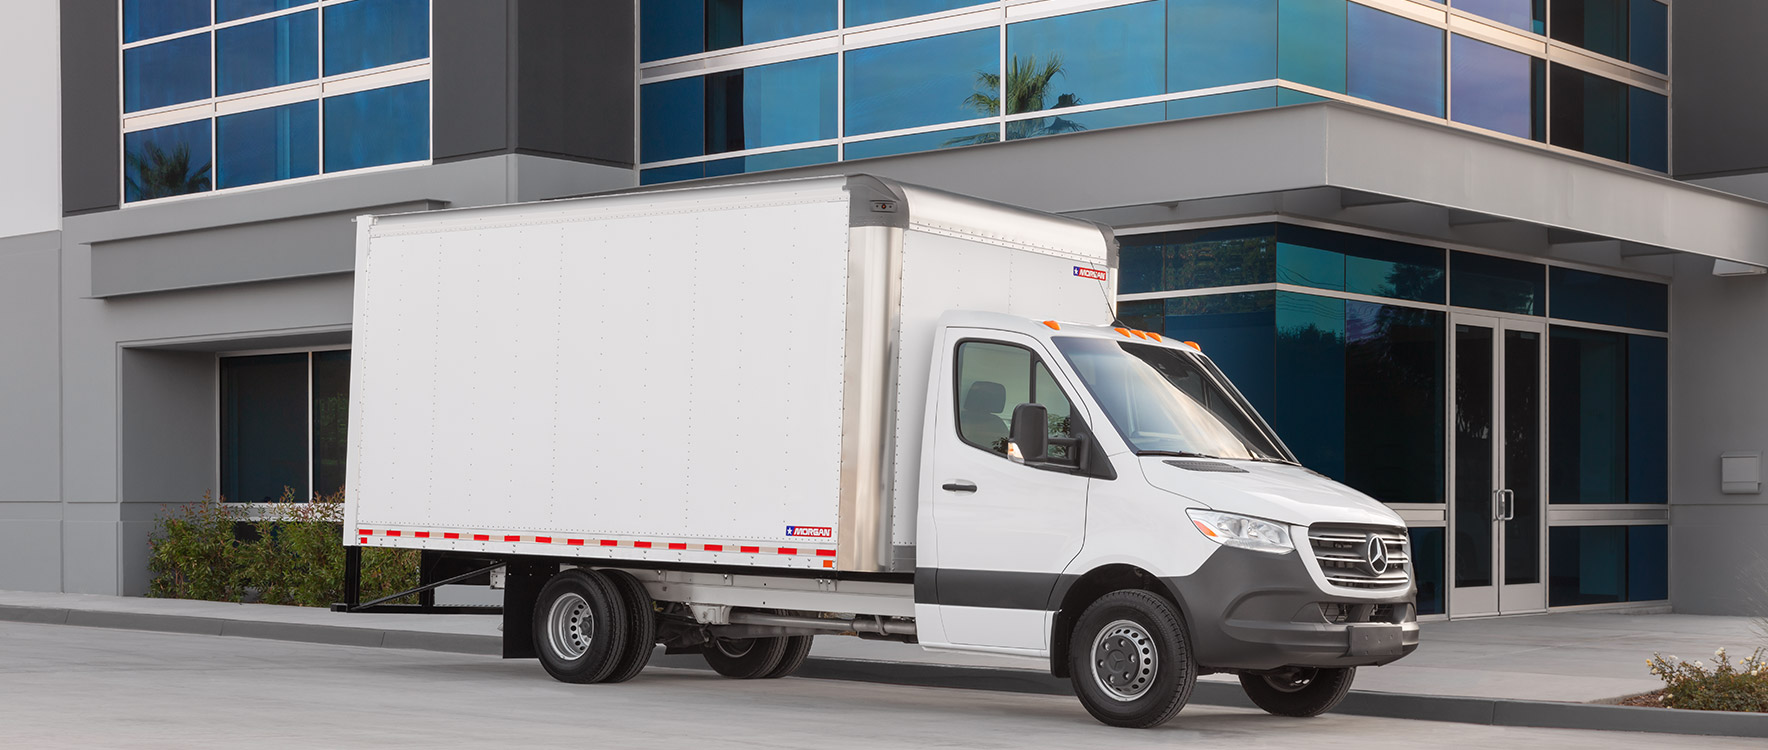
pixel 1029 435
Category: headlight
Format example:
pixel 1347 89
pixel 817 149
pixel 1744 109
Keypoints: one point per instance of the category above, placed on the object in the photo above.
pixel 1242 531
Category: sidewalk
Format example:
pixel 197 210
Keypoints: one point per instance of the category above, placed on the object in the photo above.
pixel 1496 671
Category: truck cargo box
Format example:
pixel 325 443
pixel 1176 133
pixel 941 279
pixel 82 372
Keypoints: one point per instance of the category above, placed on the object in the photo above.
pixel 728 375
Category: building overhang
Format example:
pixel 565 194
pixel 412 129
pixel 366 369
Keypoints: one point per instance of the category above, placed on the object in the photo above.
pixel 1356 166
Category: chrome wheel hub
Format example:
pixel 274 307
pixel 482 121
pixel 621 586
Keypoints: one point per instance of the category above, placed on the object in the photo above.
pixel 1125 661
pixel 569 625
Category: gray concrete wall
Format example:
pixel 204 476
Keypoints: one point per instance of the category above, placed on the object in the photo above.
pixel 29 46
pixel 1718 542
pixel 1718 112
pixel 91 117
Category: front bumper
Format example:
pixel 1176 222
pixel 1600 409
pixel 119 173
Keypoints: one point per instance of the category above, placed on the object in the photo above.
pixel 1255 611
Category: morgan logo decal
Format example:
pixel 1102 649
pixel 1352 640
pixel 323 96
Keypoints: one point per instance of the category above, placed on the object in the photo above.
pixel 1089 273
pixel 813 532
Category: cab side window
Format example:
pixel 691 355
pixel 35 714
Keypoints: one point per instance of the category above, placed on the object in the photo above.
pixel 992 379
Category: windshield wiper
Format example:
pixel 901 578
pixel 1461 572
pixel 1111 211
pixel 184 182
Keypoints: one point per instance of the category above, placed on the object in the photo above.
pixel 1180 454
pixel 1263 459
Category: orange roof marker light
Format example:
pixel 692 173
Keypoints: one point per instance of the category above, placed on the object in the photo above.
pixel 1053 326
pixel 1193 345
pixel 1124 331
pixel 1139 334
pixel 1154 336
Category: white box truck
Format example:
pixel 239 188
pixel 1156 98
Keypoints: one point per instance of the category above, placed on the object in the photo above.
pixel 729 419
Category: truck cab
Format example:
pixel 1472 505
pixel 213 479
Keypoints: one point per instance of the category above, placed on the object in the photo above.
pixel 1063 462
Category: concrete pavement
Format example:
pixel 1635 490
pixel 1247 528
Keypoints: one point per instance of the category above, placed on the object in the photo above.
pixel 1483 671
pixel 83 687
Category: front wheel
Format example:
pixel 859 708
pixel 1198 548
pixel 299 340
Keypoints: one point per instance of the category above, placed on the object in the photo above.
pixel 745 658
pixel 1299 691
pixel 1130 660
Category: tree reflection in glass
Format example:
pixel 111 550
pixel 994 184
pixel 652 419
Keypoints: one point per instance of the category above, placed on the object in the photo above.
pixel 1027 90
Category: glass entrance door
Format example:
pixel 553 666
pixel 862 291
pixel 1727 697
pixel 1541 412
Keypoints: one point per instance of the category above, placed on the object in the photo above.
pixel 1497 522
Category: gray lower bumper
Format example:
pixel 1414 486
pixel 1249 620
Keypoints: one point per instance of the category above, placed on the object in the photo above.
pixel 1254 611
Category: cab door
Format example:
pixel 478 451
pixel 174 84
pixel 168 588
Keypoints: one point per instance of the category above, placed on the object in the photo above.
pixel 1005 530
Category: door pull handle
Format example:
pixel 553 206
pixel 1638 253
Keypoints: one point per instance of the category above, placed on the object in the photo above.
pixel 958 486
pixel 1497 505
pixel 1509 505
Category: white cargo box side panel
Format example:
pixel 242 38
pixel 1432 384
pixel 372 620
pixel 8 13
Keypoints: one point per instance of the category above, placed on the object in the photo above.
pixel 617 383
pixel 949 271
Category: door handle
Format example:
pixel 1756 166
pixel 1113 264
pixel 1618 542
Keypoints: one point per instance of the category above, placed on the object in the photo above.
pixel 1509 505
pixel 958 486
pixel 1497 505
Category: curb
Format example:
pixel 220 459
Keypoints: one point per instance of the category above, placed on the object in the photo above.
pixel 1484 711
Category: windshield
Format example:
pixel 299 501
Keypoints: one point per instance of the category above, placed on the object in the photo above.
pixel 1166 401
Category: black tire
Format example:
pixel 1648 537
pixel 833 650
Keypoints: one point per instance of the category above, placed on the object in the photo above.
pixel 1299 692
pixel 641 626
pixel 797 649
pixel 1130 660
pixel 744 658
pixel 579 626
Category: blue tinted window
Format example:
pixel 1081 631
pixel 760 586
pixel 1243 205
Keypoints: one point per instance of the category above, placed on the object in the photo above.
pixel 1311 43
pixel 1216 104
pixel 673 119
pixel 1587 416
pixel 1395 61
pixel 1095 120
pixel 1586 565
pixel 1308 403
pixel 1648 563
pixel 771 105
pixel 738 165
pixel 267 53
pixel 1428 563
pixel 264 427
pixel 1220 42
pixel 1648 129
pixel 1394 362
pixel 1528 15
pixel 1197 259
pixel 1086 58
pixel 1497 89
pixel 276 143
pixel 862 12
pixel 371 33
pixel 233 10
pixel 1649 35
pixel 1596 25
pixel 381 126
pixel 1648 419
pixel 671 28
pixel 1600 298
pixel 1589 113
pixel 904 144
pixel 166 73
pixel 146 19
pixel 923 82
pixel 1354 263
pixel 173 160
pixel 1501 284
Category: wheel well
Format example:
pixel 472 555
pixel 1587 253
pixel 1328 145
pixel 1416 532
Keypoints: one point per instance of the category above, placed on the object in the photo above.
pixel 1086 590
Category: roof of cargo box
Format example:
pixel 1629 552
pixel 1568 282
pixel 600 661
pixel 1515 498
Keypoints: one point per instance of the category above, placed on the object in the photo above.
pixel 873 201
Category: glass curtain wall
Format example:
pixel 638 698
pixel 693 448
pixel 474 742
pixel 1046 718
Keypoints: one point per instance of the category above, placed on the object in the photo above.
pixel 972 78
pixel 1342 344
pixel 283 423
pixel 217 60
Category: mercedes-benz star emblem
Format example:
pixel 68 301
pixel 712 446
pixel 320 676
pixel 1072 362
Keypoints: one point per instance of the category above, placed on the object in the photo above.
pixel 1375 551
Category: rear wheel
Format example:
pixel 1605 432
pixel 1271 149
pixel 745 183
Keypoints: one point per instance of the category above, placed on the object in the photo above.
pixel 797 649
pixel 580 624
pixel 1130 660
pixel 1299 691
pixel 744 658
pixel 641 626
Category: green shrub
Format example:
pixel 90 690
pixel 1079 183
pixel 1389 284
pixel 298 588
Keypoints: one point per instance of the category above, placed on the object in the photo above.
pixel 194 554
pixel 297 557
pixel 1723 687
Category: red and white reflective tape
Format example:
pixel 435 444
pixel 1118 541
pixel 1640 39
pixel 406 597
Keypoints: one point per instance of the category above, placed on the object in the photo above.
pixel 364 534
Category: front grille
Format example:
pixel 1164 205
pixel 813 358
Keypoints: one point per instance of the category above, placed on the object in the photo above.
pixel 1341 552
